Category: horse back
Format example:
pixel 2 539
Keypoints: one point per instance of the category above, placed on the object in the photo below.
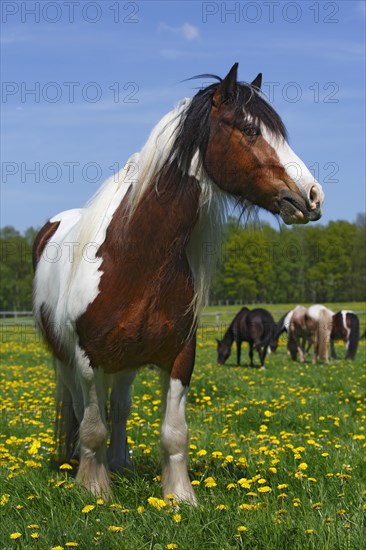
pixel 261 324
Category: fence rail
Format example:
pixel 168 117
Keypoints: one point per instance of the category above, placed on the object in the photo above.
pixel 4 314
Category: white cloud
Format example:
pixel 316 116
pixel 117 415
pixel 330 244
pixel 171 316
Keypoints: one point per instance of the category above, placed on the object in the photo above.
pixel 186 31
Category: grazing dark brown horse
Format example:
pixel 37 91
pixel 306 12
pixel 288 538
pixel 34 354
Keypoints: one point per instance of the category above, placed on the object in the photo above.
pixel 119 283
pixel 346 327
pixel 257 327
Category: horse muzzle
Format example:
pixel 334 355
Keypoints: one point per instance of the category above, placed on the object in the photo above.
pixel 296 209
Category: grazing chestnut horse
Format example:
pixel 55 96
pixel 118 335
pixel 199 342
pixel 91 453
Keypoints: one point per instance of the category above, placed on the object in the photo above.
pixel 119 284
pixel 346 327
pixel 257 327
pixel 311 326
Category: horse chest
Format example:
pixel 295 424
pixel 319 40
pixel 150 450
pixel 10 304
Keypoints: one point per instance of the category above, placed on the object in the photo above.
pixel 138 317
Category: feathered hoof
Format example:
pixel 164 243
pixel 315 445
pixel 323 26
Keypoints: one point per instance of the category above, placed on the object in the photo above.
pixel 95 478
pixel 181 497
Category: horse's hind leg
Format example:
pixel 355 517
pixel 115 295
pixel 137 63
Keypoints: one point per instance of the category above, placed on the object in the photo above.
pixel 251 353
pixel 118 454
pixel 174 431
pixel 93 473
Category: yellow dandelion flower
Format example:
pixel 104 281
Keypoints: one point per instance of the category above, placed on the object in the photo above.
pixel 316 505
pixel 309 531
pixel 202 452
pixel 216 454
pixel 177 518
pixel 282 486
pixel 268 414
pixel 210 482
pixel 157 503
pixel 35 536
pixel 195 482
pixel 264 489
pixel 33 526
pixel 15 536
pixel 71 544
pixel 246 506
pixel 66 466
pixel 100 501
pixel 272 470
pixel 251 494
pixel 57 548
pixel 245 483
pixel 231 486
pixel 221 507
pixel 59 483
pixel 171 546
pixel 88 508
pixel 302 466
pixel 140 509
pixel 242 529
pixel 4 499
pixel 115 529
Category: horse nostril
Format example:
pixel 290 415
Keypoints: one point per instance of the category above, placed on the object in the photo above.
pixel 314 198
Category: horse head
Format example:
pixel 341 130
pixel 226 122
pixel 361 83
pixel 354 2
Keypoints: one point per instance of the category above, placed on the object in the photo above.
pixel 223 351
pixel 247 154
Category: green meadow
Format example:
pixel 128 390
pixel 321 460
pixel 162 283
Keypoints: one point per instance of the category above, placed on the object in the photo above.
pixel 277 457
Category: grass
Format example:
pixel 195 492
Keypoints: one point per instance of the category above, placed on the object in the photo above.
pixel 277 458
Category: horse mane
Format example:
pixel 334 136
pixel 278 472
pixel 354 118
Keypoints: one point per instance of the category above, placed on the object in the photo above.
pixel 280 326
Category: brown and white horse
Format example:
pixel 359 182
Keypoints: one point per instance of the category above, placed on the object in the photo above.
pixel 298 335
pixel 306 327
pixel 346 327
pixel 119 283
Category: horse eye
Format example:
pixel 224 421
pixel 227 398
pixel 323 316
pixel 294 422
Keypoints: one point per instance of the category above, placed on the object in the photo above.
pixel 251 131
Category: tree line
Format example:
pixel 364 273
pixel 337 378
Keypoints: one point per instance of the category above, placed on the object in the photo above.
pixel 292 265
pixel 256 263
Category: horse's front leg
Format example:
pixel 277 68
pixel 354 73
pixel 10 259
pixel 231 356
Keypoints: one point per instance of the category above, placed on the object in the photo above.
pixel 332 350
pixel 93 472
pixel 238 352
pixel 174 431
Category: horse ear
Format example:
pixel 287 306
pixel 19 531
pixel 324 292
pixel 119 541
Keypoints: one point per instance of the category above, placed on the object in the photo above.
pixel 257 82
pixel 227 87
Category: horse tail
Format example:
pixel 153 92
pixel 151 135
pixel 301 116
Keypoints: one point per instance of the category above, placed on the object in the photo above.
pixel 354 336
pixel 67 425
pixel 324 330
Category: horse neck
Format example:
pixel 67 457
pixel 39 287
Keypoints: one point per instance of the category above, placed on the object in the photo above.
pixel 229 335
pixel 161 224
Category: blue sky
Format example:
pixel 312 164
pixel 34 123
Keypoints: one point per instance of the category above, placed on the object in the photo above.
pixel 103 73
